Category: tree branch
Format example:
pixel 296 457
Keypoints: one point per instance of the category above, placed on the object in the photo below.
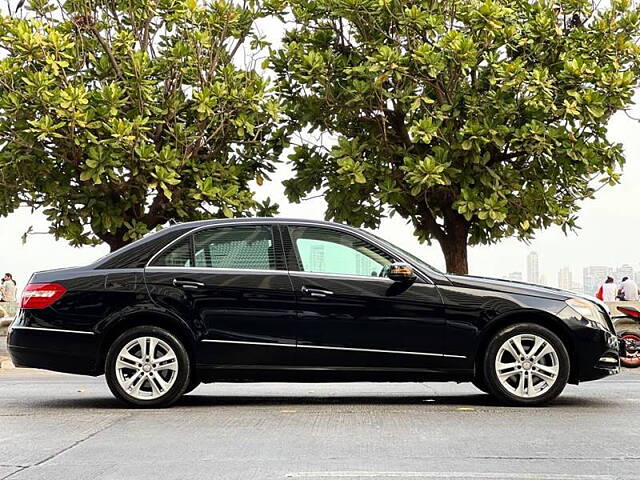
pixel 109 53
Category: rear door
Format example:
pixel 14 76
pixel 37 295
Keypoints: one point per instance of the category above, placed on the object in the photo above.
pixel 230 283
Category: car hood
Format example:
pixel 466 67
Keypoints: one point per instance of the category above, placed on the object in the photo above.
pixel 510 286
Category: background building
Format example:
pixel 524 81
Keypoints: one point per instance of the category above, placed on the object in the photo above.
pixel 317 258
pixel 515 276
pixel 623 271
pixel 565 279
pixel 593 277
pixel 533 268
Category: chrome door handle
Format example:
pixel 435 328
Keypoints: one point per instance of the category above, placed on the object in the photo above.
pixel 315 292
pixel 187 283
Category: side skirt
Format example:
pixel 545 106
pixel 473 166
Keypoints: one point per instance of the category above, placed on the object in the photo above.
pixel 240 373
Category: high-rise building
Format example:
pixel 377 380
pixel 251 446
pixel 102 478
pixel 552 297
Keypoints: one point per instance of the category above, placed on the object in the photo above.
pixel 364 265
pixel 515 276
pixel 317 258
pixel 593 277
pixel 565 279
pixel 533 271
pixel 623 271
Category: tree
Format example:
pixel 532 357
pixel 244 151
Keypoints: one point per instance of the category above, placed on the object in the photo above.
pixel 118 116
pixel 474 119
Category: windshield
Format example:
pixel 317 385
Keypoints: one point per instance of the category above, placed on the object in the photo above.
pixel 409 256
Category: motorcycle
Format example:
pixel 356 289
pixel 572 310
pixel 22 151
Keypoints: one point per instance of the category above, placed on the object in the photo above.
pixel 630 318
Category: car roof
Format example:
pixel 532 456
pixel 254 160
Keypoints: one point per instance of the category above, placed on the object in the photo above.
pixel 204 223
pixel 260 220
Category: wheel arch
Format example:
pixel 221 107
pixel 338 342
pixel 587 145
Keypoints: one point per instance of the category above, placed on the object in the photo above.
pixel 538 317
pixel 156 318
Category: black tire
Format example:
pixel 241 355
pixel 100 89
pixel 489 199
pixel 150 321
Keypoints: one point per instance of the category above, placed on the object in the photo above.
pixel 633 360
pixel 480 384
pixel 193 384
pixel 182 376
pixel 495 386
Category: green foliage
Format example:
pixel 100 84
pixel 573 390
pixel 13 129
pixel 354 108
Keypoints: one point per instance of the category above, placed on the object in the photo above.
pixel 475 119
pixel 118 116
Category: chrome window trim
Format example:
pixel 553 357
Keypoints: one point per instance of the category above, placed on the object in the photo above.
pixel 298 273
pixel 215 269
pixel 349 230
pixel 45 329
pixel 350 349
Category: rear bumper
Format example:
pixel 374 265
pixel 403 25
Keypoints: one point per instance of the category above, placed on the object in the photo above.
pixel 51 349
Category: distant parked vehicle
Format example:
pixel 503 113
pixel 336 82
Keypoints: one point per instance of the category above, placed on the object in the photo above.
pixel 627 322
pixel 294 300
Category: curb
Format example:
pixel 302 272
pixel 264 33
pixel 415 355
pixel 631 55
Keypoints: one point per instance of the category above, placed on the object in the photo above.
pixel 5 364
pixel 4 325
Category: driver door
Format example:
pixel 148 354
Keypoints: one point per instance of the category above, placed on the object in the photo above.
pixel 350 315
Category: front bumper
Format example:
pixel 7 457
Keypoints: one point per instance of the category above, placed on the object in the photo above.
pixel 597 354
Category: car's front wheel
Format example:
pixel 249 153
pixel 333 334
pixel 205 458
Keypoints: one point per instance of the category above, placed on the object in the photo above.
pixel 526 364
pixel 480 384
pixel 147 366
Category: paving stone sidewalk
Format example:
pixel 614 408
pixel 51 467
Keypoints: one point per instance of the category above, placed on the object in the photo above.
pixel 5 363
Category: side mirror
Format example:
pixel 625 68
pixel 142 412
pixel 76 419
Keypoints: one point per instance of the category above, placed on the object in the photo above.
pixel 401 272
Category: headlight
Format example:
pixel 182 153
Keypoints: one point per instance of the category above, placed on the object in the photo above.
pixel 589 311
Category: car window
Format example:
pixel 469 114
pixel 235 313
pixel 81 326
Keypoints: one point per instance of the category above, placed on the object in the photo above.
pixel 417 261
pixel 246 247
pixel 328 251
pixel 177 255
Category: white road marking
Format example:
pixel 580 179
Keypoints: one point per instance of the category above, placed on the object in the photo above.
pixel 451 475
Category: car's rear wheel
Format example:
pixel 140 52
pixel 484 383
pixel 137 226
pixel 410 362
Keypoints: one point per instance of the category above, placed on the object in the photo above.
pixel 526 364
pixel 147 366
pixel 193 384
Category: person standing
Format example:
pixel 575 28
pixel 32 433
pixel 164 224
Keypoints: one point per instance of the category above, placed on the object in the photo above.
pixel 608 291
pixel 629 290
pixel 8 288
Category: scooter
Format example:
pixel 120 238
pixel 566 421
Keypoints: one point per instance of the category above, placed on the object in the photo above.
pixel 629 319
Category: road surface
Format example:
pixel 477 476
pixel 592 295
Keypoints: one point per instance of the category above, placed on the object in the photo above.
pixel 55 426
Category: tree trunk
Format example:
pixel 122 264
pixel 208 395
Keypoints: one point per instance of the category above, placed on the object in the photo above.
pixel 455 254
pixel 452 237
pixel 454 242
pixel 115 241
pixel 117 244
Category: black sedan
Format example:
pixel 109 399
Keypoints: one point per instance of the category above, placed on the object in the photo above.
pixel 248 300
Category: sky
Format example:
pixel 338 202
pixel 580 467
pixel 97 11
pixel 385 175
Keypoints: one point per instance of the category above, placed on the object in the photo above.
pixel 608 236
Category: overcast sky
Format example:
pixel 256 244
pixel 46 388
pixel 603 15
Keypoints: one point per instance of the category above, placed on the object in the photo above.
pixel 609 234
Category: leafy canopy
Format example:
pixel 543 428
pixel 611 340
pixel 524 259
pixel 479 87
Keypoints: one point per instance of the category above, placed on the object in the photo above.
pixel 475 119
pixel 116 116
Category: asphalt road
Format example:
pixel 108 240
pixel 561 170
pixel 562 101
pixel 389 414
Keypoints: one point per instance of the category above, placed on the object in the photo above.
pixel 55 426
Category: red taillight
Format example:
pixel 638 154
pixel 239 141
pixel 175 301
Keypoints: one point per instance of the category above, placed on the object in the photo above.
pixel 41 295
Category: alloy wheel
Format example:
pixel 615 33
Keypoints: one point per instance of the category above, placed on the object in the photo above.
pixel 146 368
pixel 527 365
